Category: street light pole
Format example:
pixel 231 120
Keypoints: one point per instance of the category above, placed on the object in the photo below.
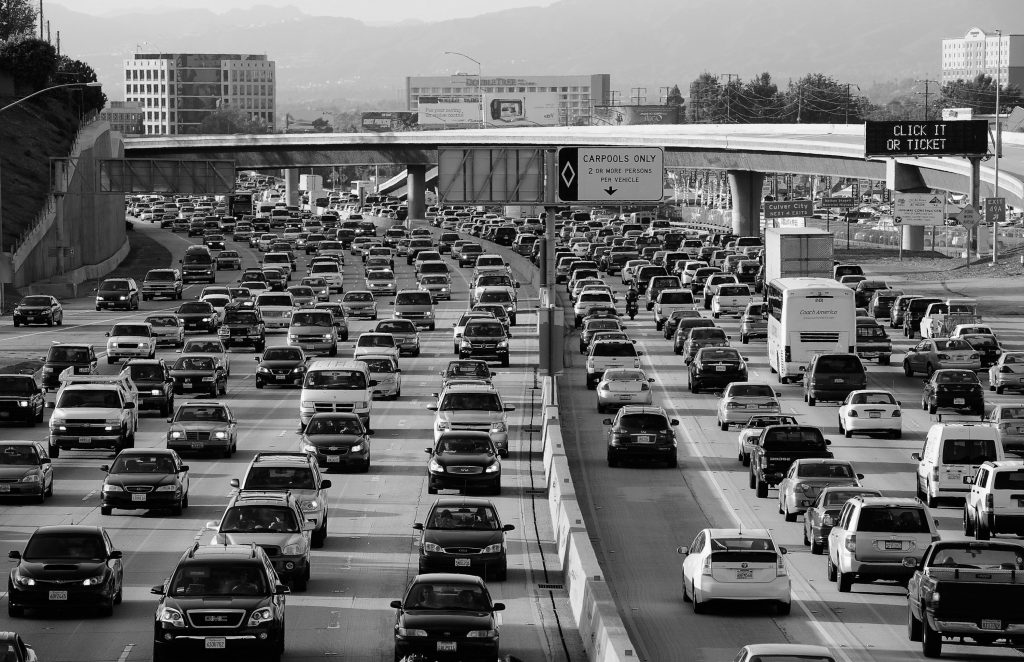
pixel 479 86
pixel 999 124
pixel 8 106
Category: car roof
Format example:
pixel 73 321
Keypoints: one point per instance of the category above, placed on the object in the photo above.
pixel 642 409
pixel 69 528
pixel 889 501
pixel 471 388
pixel 790 649
pixel 448 578
pixel 739 533
pixel 454 501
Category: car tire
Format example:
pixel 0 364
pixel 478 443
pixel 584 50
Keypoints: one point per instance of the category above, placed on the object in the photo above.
pixel 981 529
pixel 745 459
pixel 932 408
pixel 54 451
pixel 907 370
pixel 761 488
pixel 783 608
pixel 60 320
pixel 817 548
pixel 16 324
pixel 811 400
pixel 968 523
pixel 723 426
pixel 745 339
pixel 15 611
pixel 612 460
pixel 931 641
pixel 431 490
pixel 698 605
pixel 913 626
pixel 830 569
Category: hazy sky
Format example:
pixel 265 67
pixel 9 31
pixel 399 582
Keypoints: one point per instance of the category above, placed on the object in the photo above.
pixel 389 11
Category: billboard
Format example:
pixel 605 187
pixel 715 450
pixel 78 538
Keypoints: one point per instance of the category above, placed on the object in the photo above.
pixel 388 120
pixel 451 112
pixel 637 114
pixel 521 109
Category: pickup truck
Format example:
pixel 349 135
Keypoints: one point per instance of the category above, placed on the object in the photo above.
pixel 777 448
pixel 90 416
pixel 981 586
pixel 941 318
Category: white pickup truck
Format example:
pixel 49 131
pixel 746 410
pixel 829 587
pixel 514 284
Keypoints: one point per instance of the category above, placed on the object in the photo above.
pixel 941 318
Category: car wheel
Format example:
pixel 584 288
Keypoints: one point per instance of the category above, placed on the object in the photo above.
pixel 981 530
pixel 16 323
pixel 931 641
pixel 830 569
pixel 431 490
pixel 913 626
pixel 612 460
pixel 907 370
pixel 817 548
pixel 783 608
pixel 744 339
pixel 698 605
pixel 790 517
pixel 723 426
pixel 761 487
pixel 810 400
pixel 745 459
pixel 751 479
pixel 968 524
pixel 932 408
pixel 54 451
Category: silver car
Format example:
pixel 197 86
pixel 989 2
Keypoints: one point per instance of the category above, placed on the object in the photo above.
pixel 623 386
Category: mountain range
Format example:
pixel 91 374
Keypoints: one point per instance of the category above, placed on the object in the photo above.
pixel 344 63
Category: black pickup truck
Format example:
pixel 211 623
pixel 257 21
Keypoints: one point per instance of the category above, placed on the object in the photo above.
pixel 777 448
pixel 967 590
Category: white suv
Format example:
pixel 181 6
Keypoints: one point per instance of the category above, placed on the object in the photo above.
pixel 472 407
pixel 130 340
pixel 995 503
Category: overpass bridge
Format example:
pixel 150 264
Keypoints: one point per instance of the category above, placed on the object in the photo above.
pixel 745 152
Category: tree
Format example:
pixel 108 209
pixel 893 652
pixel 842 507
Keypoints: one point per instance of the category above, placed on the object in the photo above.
pixel 230 121
pixel 32 62
pixel 17 20
pixel 705 98
pixel 979 94
pixel 759 101
pixel 320 125
pixel 76 71
pixel 820 99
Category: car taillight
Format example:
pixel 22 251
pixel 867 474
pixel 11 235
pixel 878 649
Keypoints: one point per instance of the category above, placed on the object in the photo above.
pixel 852 413
pixel 943 357
pixel 706 569
pixel 789 354
pixel 645 387
pixel 780 567
pixel 897 414
pixel 851 543
pixel 935 473
pixel 989 501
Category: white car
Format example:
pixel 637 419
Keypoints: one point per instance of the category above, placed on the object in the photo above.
pixel 276 309
pixel 630 268
pixel 381 281
pixel 623 386
pixel 255 287
pixel 735 564
pixel 218 301
pixel 588 299
pixel 784 653
pixel 741 400
pixel 209 347
pixel 368 344
pixel 130 340
pixel 730 300
pixel 385 371
pixel 167 328
pixel 330 271
pixel 1008 372
pixel 871 412
pixel 582 283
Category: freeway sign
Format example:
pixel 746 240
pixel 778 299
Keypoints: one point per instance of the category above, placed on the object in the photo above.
pixel 995 210
pixel 969 217
pixel 917 209
pixel 837 203
pixel 789 209
pixel 909 138
pixel 611 174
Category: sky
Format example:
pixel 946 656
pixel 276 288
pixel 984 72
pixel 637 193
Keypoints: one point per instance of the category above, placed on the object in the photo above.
pixel 372 12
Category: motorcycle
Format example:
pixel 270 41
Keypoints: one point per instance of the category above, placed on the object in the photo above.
pixel 632 308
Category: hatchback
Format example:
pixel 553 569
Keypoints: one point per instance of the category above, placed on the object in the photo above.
pixel 463 460
pixel 641 432
pixel 620 386
pixel 932 354
pixel 823 512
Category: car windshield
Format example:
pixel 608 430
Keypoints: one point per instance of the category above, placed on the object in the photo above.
pixel 379 365
pixel 358 296
pixel 279 478
pixel 1011 412
pixel 210 413
pixel 872 398
pixel 68 355
pixel 839 497
pixel 380 275
pixel 751 391
pixel 734 290
pixel 162 320
pixel 143 464
pixel 103 399
pixel 956 377
pixel 375 340
pixel 333 425
pixel 241 317
pixel 282 354
pixel 274 300
pixel 706 334
pixel 203 347
pixel 434 280
pixel 17 385
pixel 301 291
pixel 114 285
pixel 502 296
pixel 978 557
pixel 344 380
pixel 838 364
pixel 625 376
pixel 643 423
pixel 463 445
pixel 893 520
pixel 475 401
pixel 194 363
pixel 480 518
pixel 195 307
pixel 65 546
pixel 467 369
pixel 741 544
pixel 147 372
pixel 396 327
pixel 129 330
pixel 825 470
pixel 793 438
pixel 485 329
pixel 614 349
pixel 18 454
pixel 36 301
pixel 311 319
pixel 254 519
pixel 447 597
pixel 485 281
pixel 219 579
pixel 870 331
pixel 676 297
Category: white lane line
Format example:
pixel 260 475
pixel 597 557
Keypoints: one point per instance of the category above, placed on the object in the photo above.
pixel 89 495
pixel 125 653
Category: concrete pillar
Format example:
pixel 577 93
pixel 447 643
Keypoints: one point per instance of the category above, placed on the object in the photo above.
pixel 900 177
pixel 291 186
pixel 746 202
pixel 415 183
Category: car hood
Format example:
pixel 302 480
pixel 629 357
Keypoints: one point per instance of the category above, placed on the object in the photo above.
pixel 135 339
pixel 32 310
pixel 434 619
pixel 140 479
pixel 281 364
pixel 311 330
pixel 199 426
pixel 217 602
pixel 87 412
pixel 9 472
pixel 462 538
pixel 469 416
pixel 278 538
pixel 61 568
pixel 464 459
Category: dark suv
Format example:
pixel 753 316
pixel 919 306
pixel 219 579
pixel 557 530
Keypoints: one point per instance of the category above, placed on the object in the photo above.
pixel 641 432
pixel 484 338
pixel 21 399
pixel 243 326
pixel 220 598
pixel 153 379
pixel 81 357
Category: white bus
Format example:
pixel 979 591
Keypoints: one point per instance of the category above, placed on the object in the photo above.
pixel 808 316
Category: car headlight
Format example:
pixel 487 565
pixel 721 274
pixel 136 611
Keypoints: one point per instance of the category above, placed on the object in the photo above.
pixel 481 634
pixel 435 467
pixel 465 344
pixel 93 581
pixel 493 549
pixel 176 434
pixel 220 434
pixel 411 632
pixel 292 337
pixel 432 547
pixel 122 298
pixel 261 615
pixel 499 427
pixel 362 404
pixel 493 467
pixel 293 549
pixel 22 580
pixel 428 314
pixel 167 488
pixel 503 343
pixel 56 421
pixel 307 404
pixel 328 336
pixel 112 488
pixel 112 421
pixel 31 478
pixel 311 505
pixel 443 425
pixel 23 403
pixel 357 448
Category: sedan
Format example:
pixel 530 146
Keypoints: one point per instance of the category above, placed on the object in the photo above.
pixel 741 399
pixel 359 303
pixel 715 368
pixel 463 535
pixel 39 309
pixel 200 427
pixel 932 354
pixel 806 477
pixel 69 566
pixel 986 345
pixel 871 412
pixel 784 653
pixel 672 322
pixel 381 281
pixel 594 325
pixel 375 343
pixel 623 386
pixel 337 441
pixel 463 371
pixel 1009 420
pixel 463 460
pixel 168 329
pixel 213 347
pixel 953 389
pixel 147 479
pixel 446 614
pixel 281 366
pixel 228 260
pixel 734 564
pixel 1007 373
pixel 198 373
pixel 823 513
pixel 404 332
pixel 25 470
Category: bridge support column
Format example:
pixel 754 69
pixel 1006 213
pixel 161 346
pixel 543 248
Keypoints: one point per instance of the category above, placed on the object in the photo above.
pixel 291 186
pixel 902 178
pixel 746 202
pixel 415 183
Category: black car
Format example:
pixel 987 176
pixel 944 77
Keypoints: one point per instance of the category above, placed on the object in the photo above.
pixel 39 309
pixel 641 432
pixel 463 535
pixel 243 325
pixel 149 479
pixel 446 616
pixel 484 338
pixel 66 567
pixel 198 373
pixel 590 326
pixel 281 366
pixel 952 388
pixel 21 399
pixel 59 357
pixel 463 460
pixel 156 387
pixel 715 368
pixel 987 346
pixel 220 599
pixel 337 441
pixel 198 316
pixel 117 293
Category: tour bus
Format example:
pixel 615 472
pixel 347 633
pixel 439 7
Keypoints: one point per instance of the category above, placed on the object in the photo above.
pixel 808 316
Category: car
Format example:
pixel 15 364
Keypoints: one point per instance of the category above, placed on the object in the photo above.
pixel 58 556
pixel 25 470
pixel 242 325
pixel 484 338
pixel 198 316
pixel 466 371
pixel 298 473
pixel 986 345
pixel 203 427
pixel 153 380
pixel 274 521
pixel 715 368
pixel 375 343
pixel 463 535
pixel 359 303
pixel 192 614
pixel 871 412
pixel 21 399
pixel 953 389
pixel 168 329
pixel 130 340
pixel 832 376
pixel 228 260
pixel 98 412
pixel 337 440
pixel 149 479
pixel 735 565
pixel 806 477
pixel 931 354
pixel 381 281
pixel 281 366
pixel 209 347
pixel 823 512
pixel 1009 420
pixel 590 326
pixel 619 386
pixel 439 286
pixel 407 337
pixel 14 649
pixel 313 330
pixel 640 431
pixel 472 406
pixel 321 290
pixel 115 293
pixel 463 460
pixel 198 373
pixel 741 399
pixel 992 506
pixel 588 299
pixel 38 309
pixel 449 614
pixel 699 337
pixel 385 371
pixel 784 653
pixel 752 429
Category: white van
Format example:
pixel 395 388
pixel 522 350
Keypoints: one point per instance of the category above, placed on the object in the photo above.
pixel 951 452
pixel 330 272
pixel 336 385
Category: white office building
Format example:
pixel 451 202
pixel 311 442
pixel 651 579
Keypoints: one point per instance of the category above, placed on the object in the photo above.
pixel 981 52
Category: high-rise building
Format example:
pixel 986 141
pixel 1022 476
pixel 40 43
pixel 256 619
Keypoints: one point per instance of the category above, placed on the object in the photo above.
pixel 123 116
pixel 575 96
pixel 176 91
pixel 981 52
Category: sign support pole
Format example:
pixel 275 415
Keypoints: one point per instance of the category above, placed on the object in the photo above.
pixel 975 200
pixel 549 329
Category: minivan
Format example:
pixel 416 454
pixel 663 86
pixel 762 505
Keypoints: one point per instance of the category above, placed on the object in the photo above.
pixel 313 330
pixel 952 451
pixel 336 385
pixel 833 376
pixel 417 306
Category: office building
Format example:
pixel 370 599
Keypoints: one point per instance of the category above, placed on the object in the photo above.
pixel 176 91
pixel 123 116
pixel 981 52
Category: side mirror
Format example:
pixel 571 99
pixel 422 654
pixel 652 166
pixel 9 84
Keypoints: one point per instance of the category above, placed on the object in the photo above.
pixel 498 606
pixel 234 483
pixel 509 527
pixel 428 451
pixel 308 526
pixel 683 550
pixel 510 408
pixel 909 562
pixel 674 421
pixel 916 456
pixel 606 421
pixel 107 334
pixel 325 484
pixel 45 460
pixel 968 480
pixel 157 590
pixel 281 589
pixel 828 442
pixel 104 467
pixel 783 550
pixel 396 604
pixel 431 407
pixel 650 380
pixel 860 476
pixel 418 526
pixel 639 353
pixel 129 405
pixel 115 554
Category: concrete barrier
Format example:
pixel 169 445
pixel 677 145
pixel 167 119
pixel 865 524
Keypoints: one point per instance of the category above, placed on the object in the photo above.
pixel 66 286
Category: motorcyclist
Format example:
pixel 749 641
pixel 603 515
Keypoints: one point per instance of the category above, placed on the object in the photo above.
pixel 632 296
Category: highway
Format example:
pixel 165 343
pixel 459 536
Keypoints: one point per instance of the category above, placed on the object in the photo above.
pixel 370 554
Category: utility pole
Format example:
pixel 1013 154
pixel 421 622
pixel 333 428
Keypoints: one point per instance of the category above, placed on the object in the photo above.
pixel 849 100
pixel 728 95
pixel 799 101
pixel 615 94
pixel 926 94
pixel 999 146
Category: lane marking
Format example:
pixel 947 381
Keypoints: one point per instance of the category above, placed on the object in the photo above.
pixel 125 653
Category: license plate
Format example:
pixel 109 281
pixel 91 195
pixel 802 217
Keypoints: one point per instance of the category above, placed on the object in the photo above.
pixel 893 544
pixel 85 441
pixel 874 414
pixel 334 458
pixel 187 384
pixel 58 595
pixel 991 624
pixel 838 380
pixel 280 377
pixel 138 497
pixel 4 487
pixel 197 444
pixel 446 646
pixel 461 563
pixel 216 643
pixel 744 574
pixel 958 401
pixel 643 439
pixel 719 368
